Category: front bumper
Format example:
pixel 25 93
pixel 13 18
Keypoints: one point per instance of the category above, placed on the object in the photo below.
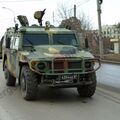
pixel 67 80
pixel 67 85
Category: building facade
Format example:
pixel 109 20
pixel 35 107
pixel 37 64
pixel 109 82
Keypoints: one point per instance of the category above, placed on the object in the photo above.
pixel 113 32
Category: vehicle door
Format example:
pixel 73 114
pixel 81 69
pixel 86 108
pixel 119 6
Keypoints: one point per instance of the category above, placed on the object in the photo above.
pixel 14 44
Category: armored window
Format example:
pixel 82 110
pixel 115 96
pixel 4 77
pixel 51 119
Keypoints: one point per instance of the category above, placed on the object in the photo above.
pixel 64 39
pixel 12 42
pixel 16 43
pixel 35 39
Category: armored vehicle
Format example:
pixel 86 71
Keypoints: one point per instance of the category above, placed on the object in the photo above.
pixel 47 56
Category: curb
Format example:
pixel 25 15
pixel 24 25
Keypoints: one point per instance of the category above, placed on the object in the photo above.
pixel 108 61
pixel 108 87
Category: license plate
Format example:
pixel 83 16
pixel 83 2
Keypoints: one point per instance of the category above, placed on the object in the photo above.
pixel 66 79
pixel 69 77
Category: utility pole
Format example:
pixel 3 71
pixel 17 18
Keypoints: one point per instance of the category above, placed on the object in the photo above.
pixel 74 11
pixel 99 2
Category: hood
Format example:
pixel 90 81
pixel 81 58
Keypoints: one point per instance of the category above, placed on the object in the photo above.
pixel 52 51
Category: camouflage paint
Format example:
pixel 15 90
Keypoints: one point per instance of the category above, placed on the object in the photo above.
pixel 48 53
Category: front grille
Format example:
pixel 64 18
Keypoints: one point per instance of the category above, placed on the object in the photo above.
pixel 58 65
pixel 63 65
pixel 74 65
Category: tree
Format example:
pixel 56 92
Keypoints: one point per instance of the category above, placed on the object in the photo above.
pixel 63 12
pixel 72 23
pixel 81 24
pixel 85 22
pixel 65 16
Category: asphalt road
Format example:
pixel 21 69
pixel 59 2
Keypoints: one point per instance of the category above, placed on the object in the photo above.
pixel 58 104
pixel 109 74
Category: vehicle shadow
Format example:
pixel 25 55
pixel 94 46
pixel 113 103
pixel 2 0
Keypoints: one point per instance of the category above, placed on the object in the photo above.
pixel 60 95
pixel 47 95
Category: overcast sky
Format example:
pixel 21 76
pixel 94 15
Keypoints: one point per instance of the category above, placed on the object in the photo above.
pixel 110 10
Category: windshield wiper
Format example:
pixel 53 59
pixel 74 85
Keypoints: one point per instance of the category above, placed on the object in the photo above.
pixel 32 45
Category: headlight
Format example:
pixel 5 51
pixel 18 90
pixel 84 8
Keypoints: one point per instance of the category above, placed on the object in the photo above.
pixel 41 66
pixel 33 63
pixel 88 64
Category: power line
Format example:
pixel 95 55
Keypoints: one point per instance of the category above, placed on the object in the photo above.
pixel 82 3
pixel 55 17
pixel 4 1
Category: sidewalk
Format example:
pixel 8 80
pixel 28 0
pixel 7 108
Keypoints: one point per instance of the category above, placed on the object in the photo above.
pixel 109 61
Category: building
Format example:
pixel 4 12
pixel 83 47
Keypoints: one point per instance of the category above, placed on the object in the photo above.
pixel 113 32
pixel 116 43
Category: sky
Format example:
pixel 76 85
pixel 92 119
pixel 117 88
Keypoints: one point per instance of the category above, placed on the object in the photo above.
pixel 110 11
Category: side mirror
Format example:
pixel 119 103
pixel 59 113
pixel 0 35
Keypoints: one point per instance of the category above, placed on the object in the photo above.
pixel 86 43
pixel 16 27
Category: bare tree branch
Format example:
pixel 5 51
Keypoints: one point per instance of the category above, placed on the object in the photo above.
pixel 63 11
pixel 86 22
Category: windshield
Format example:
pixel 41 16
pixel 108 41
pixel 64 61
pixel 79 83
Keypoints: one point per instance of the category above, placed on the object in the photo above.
pixel 35 39
pixel 64 39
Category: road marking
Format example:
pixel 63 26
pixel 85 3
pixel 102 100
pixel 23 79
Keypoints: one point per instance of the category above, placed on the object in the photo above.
pixel 115 97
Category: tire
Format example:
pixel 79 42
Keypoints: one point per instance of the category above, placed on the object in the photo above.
pixel 88 90
pixel 10 79
pixel 29 84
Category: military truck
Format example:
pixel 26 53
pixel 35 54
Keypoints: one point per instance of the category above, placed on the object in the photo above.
pixel 47 56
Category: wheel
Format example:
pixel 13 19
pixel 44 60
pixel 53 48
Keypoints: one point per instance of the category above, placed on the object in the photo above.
pixel 29 84
pixel 10 79
pixel 88 90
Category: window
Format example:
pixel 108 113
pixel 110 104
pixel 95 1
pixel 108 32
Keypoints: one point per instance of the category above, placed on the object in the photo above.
pixel 14 43
pixel 35 39
pixel 11 42
pixel 64 39
pixel 104 32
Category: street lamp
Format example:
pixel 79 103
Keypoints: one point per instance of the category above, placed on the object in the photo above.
pixel 11 11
